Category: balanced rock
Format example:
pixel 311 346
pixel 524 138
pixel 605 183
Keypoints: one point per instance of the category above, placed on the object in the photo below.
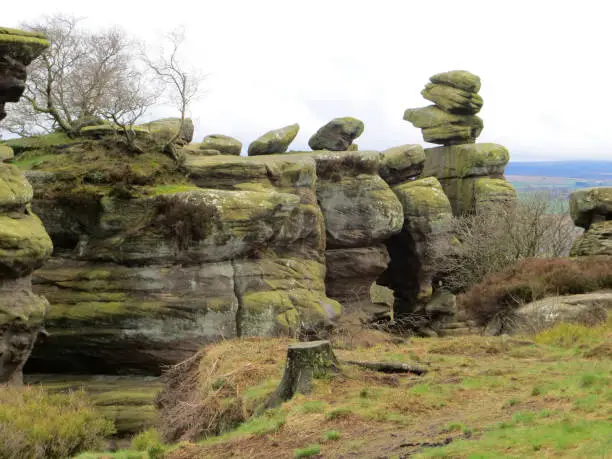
pixel 276 141
pixel 402 163
pixel 444 128
pixel 166 128
pixel 460 79
pixel 453 100
pixel 224 144
pixel 337 135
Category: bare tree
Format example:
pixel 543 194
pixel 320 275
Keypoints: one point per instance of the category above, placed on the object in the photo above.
pixel 538 225
pixel 73 82
pixel 180 84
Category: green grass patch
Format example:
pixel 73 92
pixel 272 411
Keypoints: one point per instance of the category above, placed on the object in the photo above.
pixel 308 451
pixel 331 435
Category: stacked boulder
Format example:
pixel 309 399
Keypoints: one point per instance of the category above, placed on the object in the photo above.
pixel 591 209
pixel 337 135
pixel 24 243
pixel 471 174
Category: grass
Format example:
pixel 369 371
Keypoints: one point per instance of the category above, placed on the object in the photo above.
pixel 493 396
pixel 309 451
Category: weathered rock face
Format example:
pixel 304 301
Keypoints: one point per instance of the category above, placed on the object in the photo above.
pixel 401 164
pixel 164 129
pixel 425 235
pixel 337 135
pixel 276 141
pixel 24 244
pixel 591 209
pixel 223 144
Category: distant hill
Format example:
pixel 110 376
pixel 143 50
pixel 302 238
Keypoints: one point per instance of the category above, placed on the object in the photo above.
pixel 588 170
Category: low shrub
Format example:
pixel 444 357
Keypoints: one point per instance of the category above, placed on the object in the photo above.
pixel 37 424
pixel 532 279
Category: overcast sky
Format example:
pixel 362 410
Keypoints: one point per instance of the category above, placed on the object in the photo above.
pixel 545 65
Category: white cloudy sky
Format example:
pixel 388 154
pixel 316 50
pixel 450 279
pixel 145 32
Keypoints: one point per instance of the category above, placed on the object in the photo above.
pixel 545 65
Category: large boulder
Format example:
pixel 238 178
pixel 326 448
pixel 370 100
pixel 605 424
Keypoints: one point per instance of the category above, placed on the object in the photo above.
pixel 468 160
pixel 590 308
pixel 337 135
pixel 477 194
pixel 402 163
pixel 591 205
pixel 224 144
pixel 425 235
pixel 6 153
pixel 164 129
pixel 444 128
pixel 453 100
pixel 276 141
pixel 460 79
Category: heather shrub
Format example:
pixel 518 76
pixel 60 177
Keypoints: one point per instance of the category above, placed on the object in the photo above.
pixel 37 424
pixel 532 279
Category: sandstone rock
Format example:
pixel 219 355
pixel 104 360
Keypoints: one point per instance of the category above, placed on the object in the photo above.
pixel 590 308
pixel 15 191
pixel 24 245
pixel 17 49
pixel 337 135
pixel 276 141
pixel 399 164
pixel 453 100
pixel 99 131
pixel 596 241
pixel 470 160
pixel 6 153
pixel 460 79
pixel 476 194
pixel 204 152
pixel 360 209
pixel 591 205
pixel 226 145
pixel 444 128
pixel 164 129
pixel 351 272
pixel 424 236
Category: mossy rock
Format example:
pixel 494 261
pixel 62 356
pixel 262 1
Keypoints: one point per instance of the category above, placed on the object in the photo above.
pixel 597 240
pixel 102 130
pixel 164 129
pixel 476 194
pixel 276 141
pixel 6 153
pixel 423 198
pixel 46 143
pixel 337 135
pixel 15 191
pixel 432 116
pixel 460 79
pixel 21 45
pixel 402 163
pixel 21 307
pixel 224 144
pixel 24 245
pixel 466 160
pixel 591 205
pixel 450 134
pixel 453 100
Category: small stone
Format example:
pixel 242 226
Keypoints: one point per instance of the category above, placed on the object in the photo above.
pixel 276 141
pixel 337 135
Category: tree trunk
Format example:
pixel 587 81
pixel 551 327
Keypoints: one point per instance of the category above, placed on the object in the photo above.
pixel 305 361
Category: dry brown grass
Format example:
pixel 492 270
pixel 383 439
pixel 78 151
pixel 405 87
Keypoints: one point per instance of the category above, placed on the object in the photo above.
pixel 205 395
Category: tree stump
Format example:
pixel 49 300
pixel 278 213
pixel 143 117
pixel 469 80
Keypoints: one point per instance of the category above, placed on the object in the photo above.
pixel 305 361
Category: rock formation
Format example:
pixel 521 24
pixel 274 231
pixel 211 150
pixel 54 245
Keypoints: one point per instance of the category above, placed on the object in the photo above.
pixel 24 244
pixel 337 135
pixel 471 174
pixel 223 144
pixel 591 209
pixel 276 141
